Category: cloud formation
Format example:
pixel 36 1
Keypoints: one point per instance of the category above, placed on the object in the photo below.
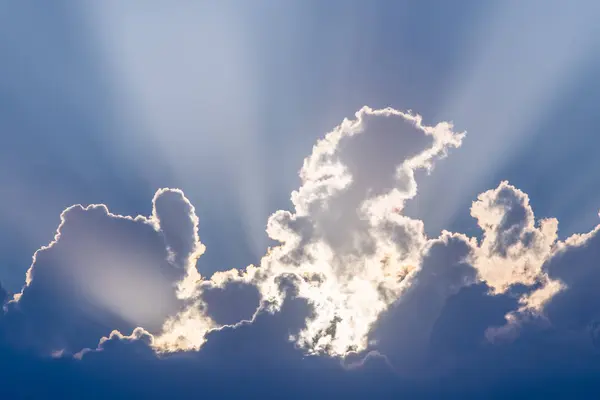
pixel 354 284
pixel 104 271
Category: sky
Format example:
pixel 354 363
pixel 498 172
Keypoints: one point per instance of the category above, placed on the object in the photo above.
pixel 299 199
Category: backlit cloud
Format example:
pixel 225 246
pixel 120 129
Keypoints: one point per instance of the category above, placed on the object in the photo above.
pixel 104 271
pixel 346 244
pixel 352 276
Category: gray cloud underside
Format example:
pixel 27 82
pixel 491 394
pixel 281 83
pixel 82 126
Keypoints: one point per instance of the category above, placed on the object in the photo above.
pixel 353 280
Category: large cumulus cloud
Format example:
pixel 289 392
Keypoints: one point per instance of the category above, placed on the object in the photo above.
pixel 347 243
pixel 103 272
pixel 354 291
pixel 346 246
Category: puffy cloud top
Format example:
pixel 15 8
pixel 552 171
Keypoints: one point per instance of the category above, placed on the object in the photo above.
pixel 354 283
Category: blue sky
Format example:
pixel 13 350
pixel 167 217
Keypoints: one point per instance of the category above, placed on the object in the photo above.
pixel 107 102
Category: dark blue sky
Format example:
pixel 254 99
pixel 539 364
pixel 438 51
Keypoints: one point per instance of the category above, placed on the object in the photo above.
pixel 106 102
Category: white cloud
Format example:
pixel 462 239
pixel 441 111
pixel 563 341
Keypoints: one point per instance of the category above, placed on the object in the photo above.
pixel 374 281
pixel 513 249
pixel 105 271
pixel 346 241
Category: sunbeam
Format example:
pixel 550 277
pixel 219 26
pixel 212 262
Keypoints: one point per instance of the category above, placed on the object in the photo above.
pixel 189 90
pixel 522 57
pixel 299 199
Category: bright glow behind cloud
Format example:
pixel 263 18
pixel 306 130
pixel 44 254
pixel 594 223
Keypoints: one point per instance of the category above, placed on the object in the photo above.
pixel 346 247
pixel 521 59
pixel 195 109
pixel 513 249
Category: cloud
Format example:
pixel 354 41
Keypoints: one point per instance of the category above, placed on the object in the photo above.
pixel 176 218
pixel 231 303
pixel 575 265
pixel 354 291
pixel 346 242
pixel 513 249
pixel 103 272
pixel 347 247
pixel 139 343
pixel 252 360
pixel 404 331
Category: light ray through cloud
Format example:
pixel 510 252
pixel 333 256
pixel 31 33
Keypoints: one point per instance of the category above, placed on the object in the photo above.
pixel 54 108
pixel 416 245
pixel 195 110
pixel 522 57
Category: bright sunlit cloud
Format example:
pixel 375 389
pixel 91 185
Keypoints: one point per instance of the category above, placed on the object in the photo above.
pixel 355 270
pixel 195 109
